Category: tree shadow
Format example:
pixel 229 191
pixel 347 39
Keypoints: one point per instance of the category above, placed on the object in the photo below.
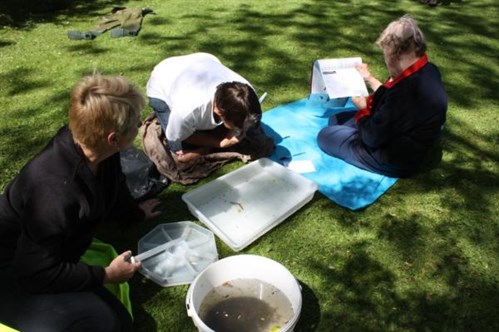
pixel 23 14
pixel 361 293
pixel 472 303
pixel 438 2
pixel 365 295
pixel 468 177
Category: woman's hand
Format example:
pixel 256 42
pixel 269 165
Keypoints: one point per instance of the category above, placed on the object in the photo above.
pixel 370 80
pixel 233 137
pixel 359 102
pixel 227 142
pixel 149 207
pixel 364 71
pixel 121 269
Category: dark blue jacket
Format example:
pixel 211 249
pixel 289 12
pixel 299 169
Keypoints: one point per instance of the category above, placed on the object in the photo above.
pixel 405 122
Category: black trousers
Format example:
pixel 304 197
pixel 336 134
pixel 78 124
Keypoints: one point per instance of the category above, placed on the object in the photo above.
pixel 98 310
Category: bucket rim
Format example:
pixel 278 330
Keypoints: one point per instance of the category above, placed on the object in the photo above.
pixel 198 322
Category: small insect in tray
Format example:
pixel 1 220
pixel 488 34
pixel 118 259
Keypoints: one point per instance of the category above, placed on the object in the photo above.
pixel 238 204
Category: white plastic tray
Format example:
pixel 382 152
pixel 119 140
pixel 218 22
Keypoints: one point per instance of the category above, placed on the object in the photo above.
pixel 174 253
pixel 242 205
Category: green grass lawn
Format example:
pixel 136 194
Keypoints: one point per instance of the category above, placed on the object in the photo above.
pixel 424 257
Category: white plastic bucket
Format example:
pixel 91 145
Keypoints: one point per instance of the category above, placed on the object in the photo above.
pixel 243 267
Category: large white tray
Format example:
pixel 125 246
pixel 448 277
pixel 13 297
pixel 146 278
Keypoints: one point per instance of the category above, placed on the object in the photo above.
pixel 242 205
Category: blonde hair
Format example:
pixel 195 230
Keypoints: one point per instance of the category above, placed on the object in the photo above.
pixel 103 104
pixel 402 36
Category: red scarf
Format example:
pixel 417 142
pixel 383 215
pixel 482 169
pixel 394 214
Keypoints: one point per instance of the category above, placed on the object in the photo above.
pixel 415 67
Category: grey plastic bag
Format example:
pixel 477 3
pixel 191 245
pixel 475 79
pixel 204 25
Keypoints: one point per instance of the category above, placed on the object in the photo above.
pixel 143 179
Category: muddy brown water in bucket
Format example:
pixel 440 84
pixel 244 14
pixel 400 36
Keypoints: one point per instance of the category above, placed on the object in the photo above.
pixel 245 305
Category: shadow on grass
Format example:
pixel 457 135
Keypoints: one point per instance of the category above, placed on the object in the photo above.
pixel 365 295
pixel 20 81
pixel 88 48
pixel 23 14
pixel 363 292
pixel 450 247
pixel 453 247
pixel 311 311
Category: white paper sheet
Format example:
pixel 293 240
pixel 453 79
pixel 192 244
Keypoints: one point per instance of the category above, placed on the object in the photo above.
pixel 301 166
pixel 338 77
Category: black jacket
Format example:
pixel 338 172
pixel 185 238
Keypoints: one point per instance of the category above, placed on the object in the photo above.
pixel 49 214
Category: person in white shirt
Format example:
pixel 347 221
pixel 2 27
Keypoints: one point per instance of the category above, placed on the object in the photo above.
pixel 202 105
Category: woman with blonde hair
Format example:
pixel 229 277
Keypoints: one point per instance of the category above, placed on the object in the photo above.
pixel 50 211
pixel 394 128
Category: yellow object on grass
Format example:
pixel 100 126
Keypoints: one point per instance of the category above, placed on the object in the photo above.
pixel 100 253
pixel 4 328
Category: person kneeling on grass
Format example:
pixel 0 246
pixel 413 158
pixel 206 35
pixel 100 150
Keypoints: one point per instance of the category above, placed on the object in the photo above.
pixel 50 211
pixel 394 128
pixel 202 105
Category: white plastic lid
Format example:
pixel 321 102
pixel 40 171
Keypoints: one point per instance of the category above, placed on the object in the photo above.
pixel 185 249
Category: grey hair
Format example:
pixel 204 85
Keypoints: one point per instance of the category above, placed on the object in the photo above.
pixel 402 36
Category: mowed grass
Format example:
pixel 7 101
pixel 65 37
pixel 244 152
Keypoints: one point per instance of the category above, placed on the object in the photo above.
pixel 424 257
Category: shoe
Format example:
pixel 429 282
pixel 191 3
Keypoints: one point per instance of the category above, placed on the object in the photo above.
pixel 146 11
pixel 77 35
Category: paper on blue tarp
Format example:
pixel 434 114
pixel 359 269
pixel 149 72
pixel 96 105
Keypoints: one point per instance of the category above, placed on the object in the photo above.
pixel 295 126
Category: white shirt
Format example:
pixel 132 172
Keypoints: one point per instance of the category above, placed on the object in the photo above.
pixel 187 84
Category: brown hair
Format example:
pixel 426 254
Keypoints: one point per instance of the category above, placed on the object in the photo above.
pixel 102 104
pixel 238 103
pixel 402 36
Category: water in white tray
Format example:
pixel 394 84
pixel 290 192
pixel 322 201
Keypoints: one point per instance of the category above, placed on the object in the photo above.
pixel 245 305
pixel 251 205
